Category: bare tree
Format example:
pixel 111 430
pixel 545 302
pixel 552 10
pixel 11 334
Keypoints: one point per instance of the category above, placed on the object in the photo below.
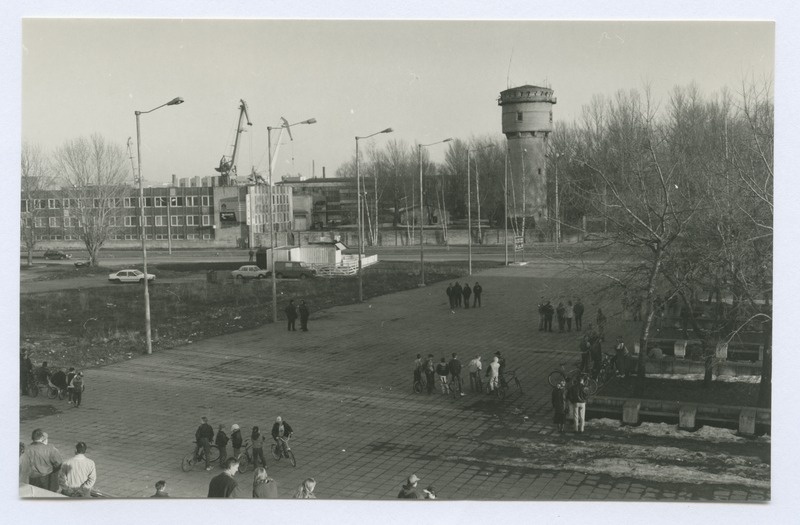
pixel 94 175
pixel 36 179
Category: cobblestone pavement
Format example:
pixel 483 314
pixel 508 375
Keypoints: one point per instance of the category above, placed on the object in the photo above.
pixel 345 387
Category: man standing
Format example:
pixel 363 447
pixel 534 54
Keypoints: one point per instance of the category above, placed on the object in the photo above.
pixel 457 295
pixel 203 437
pixel 540 308
pixel 474 368
pixel 418 369
pixel 493 371
pixel 577 396
pixel 221 441
pixel 467 291
pixel 236 440
pixel 78 474
pixel 291 315
pixel 584 347
pixel 442 370
pixel 40 462
pixel 455 373
pixel 450 295
pixel 548 316
pixel 252 255
pixel 409 490
pixel 303 316
pixel 578 314
pixel 477 290
pixel 223 485
pixel 561 315
pixel 78 387
pixel 429 370
pixel 161 490
pixel 569 314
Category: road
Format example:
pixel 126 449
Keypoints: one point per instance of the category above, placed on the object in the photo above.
pixel 345 388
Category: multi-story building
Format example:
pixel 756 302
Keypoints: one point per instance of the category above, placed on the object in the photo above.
pixel 334 201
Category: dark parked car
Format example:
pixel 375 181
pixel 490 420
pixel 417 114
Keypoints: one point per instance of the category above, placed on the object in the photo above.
pixel 293 269
pixel 56 254
pixel 82 264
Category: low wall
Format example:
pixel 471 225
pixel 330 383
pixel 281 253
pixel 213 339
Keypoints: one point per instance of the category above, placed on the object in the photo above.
pixel 674 365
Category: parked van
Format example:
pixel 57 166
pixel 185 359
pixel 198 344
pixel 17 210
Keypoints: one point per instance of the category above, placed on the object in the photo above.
pixel 293 270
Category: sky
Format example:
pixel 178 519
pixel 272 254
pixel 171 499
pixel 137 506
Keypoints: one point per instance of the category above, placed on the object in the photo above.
pixel 428 80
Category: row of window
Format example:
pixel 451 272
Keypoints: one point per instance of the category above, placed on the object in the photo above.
pixel 126 202
pixel 129 220
pixel 149 237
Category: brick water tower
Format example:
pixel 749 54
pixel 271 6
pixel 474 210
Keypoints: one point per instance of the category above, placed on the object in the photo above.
pixel 527 123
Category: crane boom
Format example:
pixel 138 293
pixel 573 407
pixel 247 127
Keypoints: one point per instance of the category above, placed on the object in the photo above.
pixel 228 167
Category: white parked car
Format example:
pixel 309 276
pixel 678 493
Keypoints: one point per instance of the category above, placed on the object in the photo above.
pixel 249 272
pixel 130 276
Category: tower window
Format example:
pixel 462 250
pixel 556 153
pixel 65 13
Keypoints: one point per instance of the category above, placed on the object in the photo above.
pixel 540 171
pixel 519 116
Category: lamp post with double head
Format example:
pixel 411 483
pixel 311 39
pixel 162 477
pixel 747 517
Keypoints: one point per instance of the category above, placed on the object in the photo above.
pixel 360 220
pixel 421 212
pixel 174 102
pixel 270 215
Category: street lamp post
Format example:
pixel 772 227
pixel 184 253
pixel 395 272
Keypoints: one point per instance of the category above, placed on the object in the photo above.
pixel 360 220
pixel 505 207
pixel 270 219
pixel 421 217
pixel 469 204
pixel 173 102
pixel 558 215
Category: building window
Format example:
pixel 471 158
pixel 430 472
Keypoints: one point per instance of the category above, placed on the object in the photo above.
pixel 205 200
pixel 112 221
pixel 175 220
pixel 519 116
pixel 55 237
pixel 38 204
pixel 192 220
pixel 53 222
pixel 160 220
pixel 41 237
pixel 177 237
pixel 130 221
pixel 191 236
pixel 206 220
pixel 191 200
pixel 128 202
pixel 161 202
pixel 176 201
pixel 23 206
pixel 148 202
pixel 206 236
pixel 53 203
pixel 149 237
pixel 148 220
pixel 129 237
pixel 160 237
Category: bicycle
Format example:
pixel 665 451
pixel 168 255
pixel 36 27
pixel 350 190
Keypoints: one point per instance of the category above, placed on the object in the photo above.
pixel 191 459
pixel 246 457
pixel 562 374
pixel 49 389
pixel 419 384
pixel 285 451
pixel 608 370
pixel 505 382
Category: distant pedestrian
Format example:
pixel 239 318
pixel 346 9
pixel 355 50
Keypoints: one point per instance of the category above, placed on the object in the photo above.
pixel 264 487
pixel 429 369
pixel 561 316
pixel 417 369
pixel 578 395
pixel 578 315
pixel 493 372
pixel 252 255
pixel 291 315
pixel 596 352
pixel 257 439
pixel 161 490
pixel 71 373
pixel 477 290
pixel 455 373
pixel 457 295
pixel 548 316
pixel 601 324
pixel 221 441
pixel 78 474
pixel 569 314
pixel 40 463
pixel 540 309
pixel 303 316
pixel 236 440
pixel 202 438
pixel 621 358
pixel 466 292
pixel 409 490
pixel 78 386
pixel 475 366
pixel 585 347
pixel 559 401
pixel 25 370
pixel 450 299
pixel 223 485
pixel 442 371
pixel 306 489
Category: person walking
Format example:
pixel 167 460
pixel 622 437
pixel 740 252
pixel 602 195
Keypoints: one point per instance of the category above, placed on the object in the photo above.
pixel 417 369
pixel 455 373
pixel 78 386
pixel 578 315
pixel 252 255
pixel 577 396
pixel 306 489
pixel 558 398
pixel 548 316
pixel 304 313
pixel 561 316
pixel 71 373
pixel 442 370
pixel 493 372
pixel 236 440
pixel 223 485
pixel 221 441
pixel 429 369
pixel 409 490
pixel 40 463
pixel 264 487
pixel 467 291
pixel 477 290
pixel 202 438
pixel 161 489
pixel 258 439
pixel 291 315
pixel 450 296
pixel 475 366
pixel 457 295
pixel 569 314
pixel 78 474
pixel 601 324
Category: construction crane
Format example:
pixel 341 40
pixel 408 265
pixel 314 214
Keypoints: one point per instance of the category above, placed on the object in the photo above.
pixel 227 167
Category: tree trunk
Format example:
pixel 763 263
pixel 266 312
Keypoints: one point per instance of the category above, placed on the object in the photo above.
pixel 638 388
pixel 765 386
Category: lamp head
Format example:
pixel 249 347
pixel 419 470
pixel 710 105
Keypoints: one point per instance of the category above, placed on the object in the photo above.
pixel 175 101
pixel 447 139
pixel 310 121
pixel 387 130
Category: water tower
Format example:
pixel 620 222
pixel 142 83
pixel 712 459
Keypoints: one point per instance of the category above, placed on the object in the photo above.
pixel 527 122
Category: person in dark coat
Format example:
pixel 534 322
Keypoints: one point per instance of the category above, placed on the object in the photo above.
pixel 70 390
pixel 578 309
pixel 303 316
pixel 221 441
pixel 548 316
pixel 457 295
pixel 540 308
pixel 596 352
pixel 559 401
pixel 450 295
pixel 466 291
pixel 223 485
pixel 25 368
pixel 291 315
pixel 561 313
pixel 584 347
pixel 236 440
pixel 601 324
pixel 429 368
pixel 203 437
pixel 477 290
pixel 409 490
pixel 455 373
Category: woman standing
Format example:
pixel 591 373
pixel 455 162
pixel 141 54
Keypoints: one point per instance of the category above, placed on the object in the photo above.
pixel 306 489
pixel 264 487
pixel 570 313
pixel 559 401
pixel 257 438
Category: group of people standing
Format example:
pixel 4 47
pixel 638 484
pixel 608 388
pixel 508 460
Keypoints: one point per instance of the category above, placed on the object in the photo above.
pixel 292 311
pixel 41 465
pixel 569 402
pixel 449 373
pixel 458 295
pixel 71 381
pixel 564 314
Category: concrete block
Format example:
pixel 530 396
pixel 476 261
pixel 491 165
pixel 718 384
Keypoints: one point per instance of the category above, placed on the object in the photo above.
pixel 686 417
pixel 747 421
pixel 680 348
pixel 722 351
pixel 630 412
